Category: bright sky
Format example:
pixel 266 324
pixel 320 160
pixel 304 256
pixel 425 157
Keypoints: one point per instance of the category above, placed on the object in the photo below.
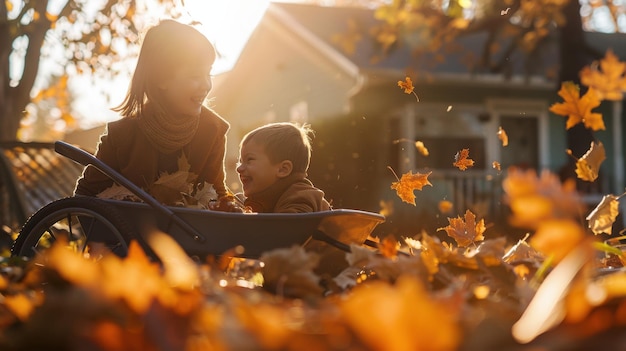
pixel 227 24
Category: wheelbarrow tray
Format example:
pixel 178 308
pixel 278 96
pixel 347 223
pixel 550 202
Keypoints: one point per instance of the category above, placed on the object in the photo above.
pixel 256 233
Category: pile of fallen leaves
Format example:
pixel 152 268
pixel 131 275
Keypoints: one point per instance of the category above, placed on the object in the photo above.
pixel 561 289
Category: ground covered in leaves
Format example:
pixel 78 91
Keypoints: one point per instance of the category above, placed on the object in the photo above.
pixel 560 288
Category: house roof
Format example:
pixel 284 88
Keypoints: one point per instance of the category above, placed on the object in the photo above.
pixel 35 175
pixel 329 23
pixel 322 26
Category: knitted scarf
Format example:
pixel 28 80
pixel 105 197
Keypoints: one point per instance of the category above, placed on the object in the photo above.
pixel 168 133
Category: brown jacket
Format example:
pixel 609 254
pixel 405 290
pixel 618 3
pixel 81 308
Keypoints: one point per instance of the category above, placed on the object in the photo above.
pixel 293 194
pixel 126 149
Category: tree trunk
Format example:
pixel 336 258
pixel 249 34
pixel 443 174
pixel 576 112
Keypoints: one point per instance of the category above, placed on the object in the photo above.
pixel 575 54
pixel 13 99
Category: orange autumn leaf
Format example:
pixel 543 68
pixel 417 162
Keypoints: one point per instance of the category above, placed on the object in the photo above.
pixel 462 160
pixel 608 78
pixel 388 246
pixel 504 138
pixel 408 183
pixel 602 217
pixel 445 206
pixel 496 165
pixel 557 237
pixel 588 166
pixel 578 109
pixel 536 198
pixel 407 86
pixel 465 231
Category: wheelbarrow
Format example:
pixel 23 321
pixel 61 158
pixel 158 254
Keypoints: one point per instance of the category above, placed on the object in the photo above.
pixel 89 221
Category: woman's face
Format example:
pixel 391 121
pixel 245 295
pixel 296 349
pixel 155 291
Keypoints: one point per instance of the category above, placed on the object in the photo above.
pixel 185 91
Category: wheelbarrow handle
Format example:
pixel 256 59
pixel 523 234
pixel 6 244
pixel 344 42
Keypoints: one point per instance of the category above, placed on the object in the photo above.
pixel 85 158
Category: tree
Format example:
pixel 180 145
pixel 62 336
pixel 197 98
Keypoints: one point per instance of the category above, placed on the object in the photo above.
pixel 91 33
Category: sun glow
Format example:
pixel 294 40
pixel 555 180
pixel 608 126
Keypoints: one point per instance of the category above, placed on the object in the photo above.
pixel 227 24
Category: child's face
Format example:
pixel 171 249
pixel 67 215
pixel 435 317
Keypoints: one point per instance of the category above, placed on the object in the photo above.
pixel 256 171
pixel 186 90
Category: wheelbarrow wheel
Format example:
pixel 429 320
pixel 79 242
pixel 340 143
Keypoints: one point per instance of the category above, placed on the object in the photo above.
pixel 88 225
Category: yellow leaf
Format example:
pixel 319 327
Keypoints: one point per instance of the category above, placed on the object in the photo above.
pixel 534 199
pixel 421 148
pixel 578 109
pixel 602 217
pixel 557 237
pixel 406 85
pixel 609 81
pixel 496 165
pixel 9 5
pixel 504 138
pixel 408 183
pixel 588 166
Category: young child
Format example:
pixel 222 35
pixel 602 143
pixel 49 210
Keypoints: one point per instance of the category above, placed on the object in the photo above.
pixel 273 161
pixel 163 115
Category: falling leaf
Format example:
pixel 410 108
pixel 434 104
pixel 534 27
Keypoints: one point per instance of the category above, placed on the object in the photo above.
pixel 407 86
pixel 504 138
pixel 534 199
pixel 449 108
pixel 609 81
pixel 577 109
pixel 557 237
pixel 465 231
pixel 462 160
pixel 445 206
pixel 496 165
pixel 421 148
pixel 408 183
pixel 504 12
pixel 602 217
pixel 588 166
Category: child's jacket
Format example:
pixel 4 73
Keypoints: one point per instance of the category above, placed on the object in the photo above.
pixel 292 194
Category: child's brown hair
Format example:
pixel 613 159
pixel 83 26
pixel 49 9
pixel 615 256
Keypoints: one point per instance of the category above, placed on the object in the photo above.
pixel 284 141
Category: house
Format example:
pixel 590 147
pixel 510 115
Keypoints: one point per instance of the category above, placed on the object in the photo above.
pixel 293 68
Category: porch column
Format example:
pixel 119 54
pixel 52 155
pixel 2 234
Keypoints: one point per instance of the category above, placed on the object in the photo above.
pixel 618 148
pixel 407 143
